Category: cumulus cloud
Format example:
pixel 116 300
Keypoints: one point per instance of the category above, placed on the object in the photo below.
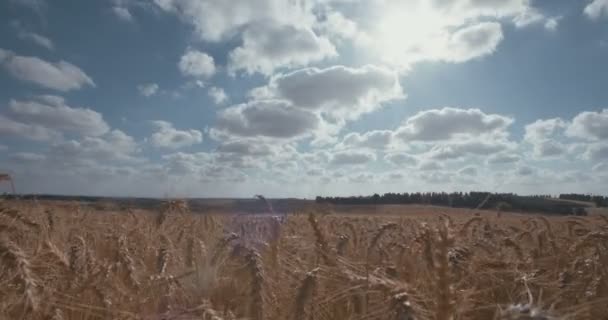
pixel 9 127
pixel 590 125
pixel 246 147
pixel 452 123
pixel 27 157
pixel 122 13
pixel 376 139
pixel 218 95
pixel 596 9
pixel 268 46
pixel 267 118
pixel 541 135
pixel 46 118
pixel 461 149
pixel 148 89
pixel 503 158
pixel 597 152
pixel 339 92
pixel 197 64
pixel 430 165
pixel 61 76
pixel 37 39
pixel 473 41
pixel 352 157
pixel 218 20
pixel 166 136
pixel 468 171
pixel 401 159
pixel 112 146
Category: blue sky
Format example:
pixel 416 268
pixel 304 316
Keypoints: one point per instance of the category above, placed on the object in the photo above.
pixel 316 97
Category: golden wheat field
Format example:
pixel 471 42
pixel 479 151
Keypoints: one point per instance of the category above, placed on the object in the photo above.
pixel 70 261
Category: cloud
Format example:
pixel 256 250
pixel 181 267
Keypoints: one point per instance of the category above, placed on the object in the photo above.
pixel 452 123
pixel 503 158
pixel 525 171
pixel 218 20
pixel 473 42
pixel 400 159
pixel 376 139
pixel 472 147
pixel 542 133
pixel 166 136
pixel 362 178
pixel 122 13
pixel 468 171
pixel 26 157
pixel 50 115
pixel 148 89
pixel 36 39
pixel 596 9
pixel 245 147
pixel 196 64
pixel 268 46
pixel 352 158
pixel 338 92
pixel 61 76
pixel 112 146
pixel 9 127
pixel 590 125
pixel 597 152
pixel 267 118
pixel 218 95
pixel 430 165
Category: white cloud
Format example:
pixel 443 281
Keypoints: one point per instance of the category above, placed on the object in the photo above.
pixel 542 134
pixel 430 165
pixel 338 92
pixel 9 127
pixel 245 147
pixel 597 152
pixel 590 125
pixel 197 64
pixel 525 171
pixel 166 136
pixel 122 13
pixel 268 118
pixel 503 158
pixel 362 178
pixel 596 9
pixel 218 20
pixel 36 39
pixel 218 95
pixel 27 157
pixel 468 171
pixel 452 123
pixel 377 139
pixel 268 46
pixel 352 158
pixel 148 89
pixel 112 146
pixel 458 150
pixel 62 76
pixel 52 113
pixel 473 42
pixel 401 159
pixel 551 24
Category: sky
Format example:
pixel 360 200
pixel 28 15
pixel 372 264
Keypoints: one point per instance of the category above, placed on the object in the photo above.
pixel 298 98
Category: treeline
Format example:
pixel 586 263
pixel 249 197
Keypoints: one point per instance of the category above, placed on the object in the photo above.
pixel 481 200
pixel 599 201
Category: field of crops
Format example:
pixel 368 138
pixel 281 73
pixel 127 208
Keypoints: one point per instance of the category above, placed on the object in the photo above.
pixel 69 261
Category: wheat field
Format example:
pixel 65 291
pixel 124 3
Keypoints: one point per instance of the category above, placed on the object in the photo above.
pixel 71 261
